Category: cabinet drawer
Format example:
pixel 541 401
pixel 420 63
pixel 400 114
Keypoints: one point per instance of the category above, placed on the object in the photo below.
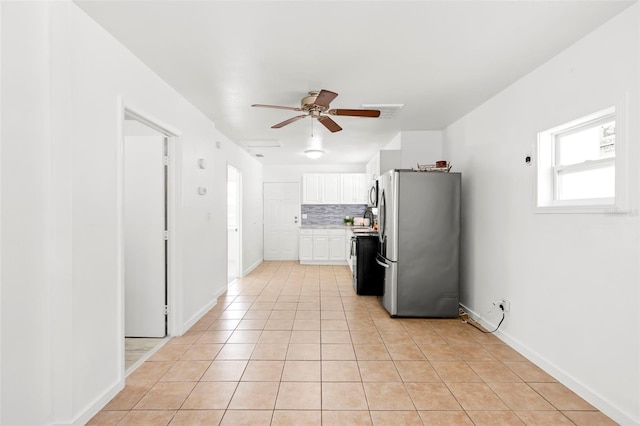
pixel 306 231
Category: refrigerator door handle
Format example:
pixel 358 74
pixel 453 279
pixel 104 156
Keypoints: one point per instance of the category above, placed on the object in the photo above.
pixel 378 261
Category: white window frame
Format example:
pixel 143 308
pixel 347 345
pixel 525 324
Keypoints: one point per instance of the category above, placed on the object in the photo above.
pixel 546 186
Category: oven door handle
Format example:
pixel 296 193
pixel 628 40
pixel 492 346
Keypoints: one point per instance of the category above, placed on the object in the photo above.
pixel 378 261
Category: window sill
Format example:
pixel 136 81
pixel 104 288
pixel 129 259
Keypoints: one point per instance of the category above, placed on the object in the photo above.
pixel 582 208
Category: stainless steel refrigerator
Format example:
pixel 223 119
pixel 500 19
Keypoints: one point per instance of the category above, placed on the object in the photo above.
pixel 419 248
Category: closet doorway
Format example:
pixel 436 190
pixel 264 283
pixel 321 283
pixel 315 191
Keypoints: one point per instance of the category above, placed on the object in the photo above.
pixel 145 238
pixel 234 220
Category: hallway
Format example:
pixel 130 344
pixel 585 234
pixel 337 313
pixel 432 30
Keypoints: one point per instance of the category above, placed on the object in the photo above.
pixel 294 345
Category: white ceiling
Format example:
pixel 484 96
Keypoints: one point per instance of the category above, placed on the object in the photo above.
pixel 441 59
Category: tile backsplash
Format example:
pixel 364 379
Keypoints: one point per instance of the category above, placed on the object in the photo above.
pixel 330 214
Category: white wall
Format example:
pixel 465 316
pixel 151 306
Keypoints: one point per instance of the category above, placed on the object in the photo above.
pixel 420 147
pixel 572 279
pixel 395 143
pixel 251 231
pixel 62 78
pixel 26 352
pixel 417 147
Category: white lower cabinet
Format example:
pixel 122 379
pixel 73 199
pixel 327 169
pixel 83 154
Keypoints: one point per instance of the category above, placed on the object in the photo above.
pixel 306 245
pixel 322 246
pixel 336 248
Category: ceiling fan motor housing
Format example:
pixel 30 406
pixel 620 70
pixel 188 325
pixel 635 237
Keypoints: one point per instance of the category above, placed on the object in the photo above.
pixel 308 104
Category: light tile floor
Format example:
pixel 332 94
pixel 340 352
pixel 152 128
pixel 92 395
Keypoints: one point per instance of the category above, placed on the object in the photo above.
pixel 135 348
pixel 294 345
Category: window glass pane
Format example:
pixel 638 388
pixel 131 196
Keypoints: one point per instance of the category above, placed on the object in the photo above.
pixel 586 143
pixel 587 184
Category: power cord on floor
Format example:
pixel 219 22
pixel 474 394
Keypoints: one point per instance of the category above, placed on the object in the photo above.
pixel 463 313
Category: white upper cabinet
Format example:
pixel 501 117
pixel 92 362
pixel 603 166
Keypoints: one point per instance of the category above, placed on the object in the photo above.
pixel 331 190
pixel 354 188
pixel 312 188
pixel 334 188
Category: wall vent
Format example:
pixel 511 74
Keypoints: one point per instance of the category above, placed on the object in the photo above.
pixel 263 143
pixel 386 110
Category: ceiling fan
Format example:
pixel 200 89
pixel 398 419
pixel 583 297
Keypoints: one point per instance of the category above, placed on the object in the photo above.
pixel 316 105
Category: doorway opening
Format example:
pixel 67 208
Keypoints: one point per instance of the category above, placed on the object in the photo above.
pixel 234 221
pixel 145 238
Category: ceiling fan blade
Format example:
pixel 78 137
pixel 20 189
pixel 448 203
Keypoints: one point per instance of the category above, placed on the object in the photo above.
pixel 289 121
pixel 355 112
pixel 276 106
pixel 325 97
pixel 329 124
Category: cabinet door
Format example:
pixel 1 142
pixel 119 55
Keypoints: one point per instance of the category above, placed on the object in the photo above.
pixel 320 247
pixel 336 248
pixel 312 189
pixel 361 189
pixel 331 188
pixel 306 247
pixel 347 185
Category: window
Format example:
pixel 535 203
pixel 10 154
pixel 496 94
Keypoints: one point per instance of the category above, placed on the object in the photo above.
pixel 577 164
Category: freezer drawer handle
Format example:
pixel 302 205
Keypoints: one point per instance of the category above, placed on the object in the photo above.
pixel 381 263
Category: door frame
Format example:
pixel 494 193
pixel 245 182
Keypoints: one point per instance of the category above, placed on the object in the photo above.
pixel 239 271
pixel 173 196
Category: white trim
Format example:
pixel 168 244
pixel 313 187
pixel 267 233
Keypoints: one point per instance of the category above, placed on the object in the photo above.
pixel 587 393
pixel 239 218
pixel 94 408
pixel 174 254
pixel 133 113
pixel 202 312
pixel 0 207
pixel 324 262
pixel 544 169
pixel 252 267
pixel 582 121
pixel 174 269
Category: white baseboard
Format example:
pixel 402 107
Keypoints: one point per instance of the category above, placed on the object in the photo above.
pixel 196 317
pixel 93 409
pixel 324 262
pixel 577 386
pixel 252 267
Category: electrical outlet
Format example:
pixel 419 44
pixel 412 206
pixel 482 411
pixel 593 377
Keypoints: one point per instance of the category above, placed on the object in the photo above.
pixel 504 305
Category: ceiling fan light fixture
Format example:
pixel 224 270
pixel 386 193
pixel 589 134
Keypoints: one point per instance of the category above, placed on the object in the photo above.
pixel 313 153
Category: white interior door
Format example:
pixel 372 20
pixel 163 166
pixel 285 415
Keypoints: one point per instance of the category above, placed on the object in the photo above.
pixel 281 220
pixel 144 226
pixel 233 223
